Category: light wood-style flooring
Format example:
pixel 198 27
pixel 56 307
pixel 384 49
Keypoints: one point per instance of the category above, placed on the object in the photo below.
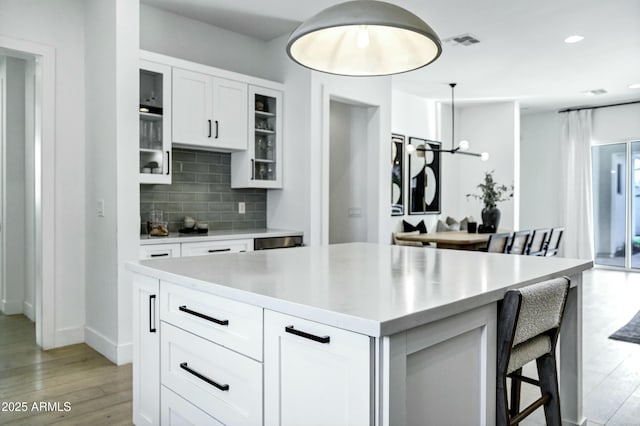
pixel 96 391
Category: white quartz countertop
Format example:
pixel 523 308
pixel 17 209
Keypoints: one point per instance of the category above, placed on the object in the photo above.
pixel 371 289
pixel 218 236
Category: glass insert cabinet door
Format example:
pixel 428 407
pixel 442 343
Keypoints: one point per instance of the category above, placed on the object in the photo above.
pixel 616 204
pixel 155 123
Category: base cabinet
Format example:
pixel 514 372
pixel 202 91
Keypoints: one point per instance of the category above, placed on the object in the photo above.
pixel 315 375
pixel 146 351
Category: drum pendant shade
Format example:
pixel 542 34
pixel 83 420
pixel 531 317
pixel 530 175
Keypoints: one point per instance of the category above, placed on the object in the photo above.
pixel 364 38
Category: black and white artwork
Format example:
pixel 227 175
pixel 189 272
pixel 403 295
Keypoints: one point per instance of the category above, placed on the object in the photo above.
pixel 397 175
pixel 424 177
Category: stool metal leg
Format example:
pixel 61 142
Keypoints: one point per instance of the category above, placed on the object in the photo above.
pixel 548 376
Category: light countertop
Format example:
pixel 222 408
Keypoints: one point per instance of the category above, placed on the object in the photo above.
pixel 218 236
pixel 367 288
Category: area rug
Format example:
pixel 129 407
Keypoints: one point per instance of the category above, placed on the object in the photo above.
pixel 630 332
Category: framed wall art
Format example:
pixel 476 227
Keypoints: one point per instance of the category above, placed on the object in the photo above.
pixel 424 177
pixel 397 175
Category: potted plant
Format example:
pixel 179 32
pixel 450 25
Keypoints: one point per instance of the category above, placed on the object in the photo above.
pixel 491 194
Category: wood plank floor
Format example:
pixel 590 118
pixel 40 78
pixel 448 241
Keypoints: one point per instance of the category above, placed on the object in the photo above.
pixel 95 391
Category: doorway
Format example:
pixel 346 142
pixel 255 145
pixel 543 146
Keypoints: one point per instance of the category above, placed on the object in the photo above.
pixel 350 167
pixel 616 204
pixel 17 180
pixel 39 173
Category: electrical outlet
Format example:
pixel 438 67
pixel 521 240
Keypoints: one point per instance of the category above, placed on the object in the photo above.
pixel 241 207
pixel 100 208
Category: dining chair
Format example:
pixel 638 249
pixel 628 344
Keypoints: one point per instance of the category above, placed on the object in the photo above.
pixel 553 244
pixel 538 241
pixel 519 242
pixel 498 243
pixel 529 322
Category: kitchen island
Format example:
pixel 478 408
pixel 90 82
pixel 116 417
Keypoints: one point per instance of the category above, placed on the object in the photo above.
pixel 358 334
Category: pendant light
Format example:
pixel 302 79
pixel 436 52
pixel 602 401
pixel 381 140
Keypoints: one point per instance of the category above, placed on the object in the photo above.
pixel 364 38
pixel 462 146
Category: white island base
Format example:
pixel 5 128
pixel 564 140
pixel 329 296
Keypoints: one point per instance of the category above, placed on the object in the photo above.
pixel 351 334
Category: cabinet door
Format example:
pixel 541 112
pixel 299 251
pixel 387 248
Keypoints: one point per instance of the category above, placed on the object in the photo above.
pixel 229 114
pixel 192 108
pixel 260 166
pixel 315 374
pixel 146 351
pixel 155 123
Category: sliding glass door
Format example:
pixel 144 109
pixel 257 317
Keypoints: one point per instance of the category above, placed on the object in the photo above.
pixel 616 204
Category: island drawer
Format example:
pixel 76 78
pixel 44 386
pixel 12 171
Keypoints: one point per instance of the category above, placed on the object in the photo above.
pixel 224 384
pixel 235 325
pixel 176 411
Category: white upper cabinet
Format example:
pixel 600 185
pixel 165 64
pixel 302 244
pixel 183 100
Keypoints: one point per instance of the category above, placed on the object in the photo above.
pixel 209 112
pixel 260 166
pixel 155 123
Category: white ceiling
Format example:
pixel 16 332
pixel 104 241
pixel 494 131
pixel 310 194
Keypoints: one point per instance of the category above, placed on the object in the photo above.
pixel 521 55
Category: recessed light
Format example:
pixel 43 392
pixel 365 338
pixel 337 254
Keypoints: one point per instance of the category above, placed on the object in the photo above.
pixel 573 39
pixel 634 86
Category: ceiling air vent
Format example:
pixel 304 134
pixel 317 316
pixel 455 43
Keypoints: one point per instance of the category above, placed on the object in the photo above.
pixel 462 40
pixel 594 92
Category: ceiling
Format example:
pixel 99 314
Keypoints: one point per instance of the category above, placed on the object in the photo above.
pixel 521 55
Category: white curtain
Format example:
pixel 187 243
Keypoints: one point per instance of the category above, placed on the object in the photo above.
pixel 576 184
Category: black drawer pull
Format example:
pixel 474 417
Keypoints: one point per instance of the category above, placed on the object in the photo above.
pixel 152 308
pixel 321 339
pixel 209 121
pixel 184 308
pixel 216 130
pixel 184 366
pixel 160 254
pixel 219 250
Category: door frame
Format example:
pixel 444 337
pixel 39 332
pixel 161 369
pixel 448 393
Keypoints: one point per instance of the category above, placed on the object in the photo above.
pixel 45 236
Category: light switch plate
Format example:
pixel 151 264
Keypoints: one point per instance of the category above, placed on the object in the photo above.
pixel 241 207
pixel 100 208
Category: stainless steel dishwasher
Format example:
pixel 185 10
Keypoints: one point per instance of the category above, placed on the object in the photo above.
pixel 277 242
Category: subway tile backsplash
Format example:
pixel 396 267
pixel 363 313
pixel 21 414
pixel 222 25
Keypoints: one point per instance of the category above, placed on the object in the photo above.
pixel 201 188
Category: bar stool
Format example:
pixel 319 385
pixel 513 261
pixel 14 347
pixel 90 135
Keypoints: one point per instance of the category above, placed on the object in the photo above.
pixel 528 327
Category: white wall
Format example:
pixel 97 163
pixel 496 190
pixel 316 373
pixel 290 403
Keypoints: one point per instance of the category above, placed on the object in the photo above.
pixel 13 75
pixel 348 171
pixel 413 116
pixel 112 172
pixel 60 24
pixel 540 170
pixel 616 124
pixel 494 128
pixel 180 37
pixel 289 208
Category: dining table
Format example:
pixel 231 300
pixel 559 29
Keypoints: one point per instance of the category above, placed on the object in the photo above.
pixel 457 240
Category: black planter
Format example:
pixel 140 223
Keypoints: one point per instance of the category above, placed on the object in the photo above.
pixel 491 217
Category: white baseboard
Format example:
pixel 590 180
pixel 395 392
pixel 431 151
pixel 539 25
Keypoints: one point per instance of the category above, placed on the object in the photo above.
pixel 69 336
pixel 11 307
pixel 27 309
pixel 101 343
pixel 118 354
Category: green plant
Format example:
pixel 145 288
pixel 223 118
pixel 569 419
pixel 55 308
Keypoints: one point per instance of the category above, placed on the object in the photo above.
pixel 492 192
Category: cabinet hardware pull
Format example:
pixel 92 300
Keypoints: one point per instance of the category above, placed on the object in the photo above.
pixel 184 366
pixel 159 254
pixel 152 320
pixel 184 308
pixel 216 130
pixel 219 250
pixel 253 169
pixel 321 339
pixel 209 121
pixel 168 162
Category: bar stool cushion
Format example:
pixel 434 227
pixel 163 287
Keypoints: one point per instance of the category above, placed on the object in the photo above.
pixel 526 352
pixel 541 309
